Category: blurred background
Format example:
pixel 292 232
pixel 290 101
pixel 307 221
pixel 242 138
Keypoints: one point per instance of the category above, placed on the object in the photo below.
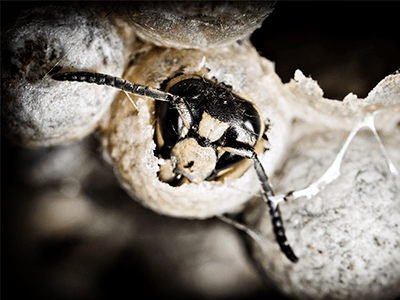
pixel 70 232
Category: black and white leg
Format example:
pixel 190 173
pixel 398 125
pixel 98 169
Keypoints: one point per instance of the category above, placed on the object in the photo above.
pixel 249 152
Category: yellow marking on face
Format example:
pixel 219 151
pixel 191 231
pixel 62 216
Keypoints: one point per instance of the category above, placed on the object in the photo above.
pixel 211 128
pixel 167 171
pixel 194 162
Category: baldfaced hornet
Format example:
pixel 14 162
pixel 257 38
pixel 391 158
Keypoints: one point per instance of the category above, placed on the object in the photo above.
pixel 204 132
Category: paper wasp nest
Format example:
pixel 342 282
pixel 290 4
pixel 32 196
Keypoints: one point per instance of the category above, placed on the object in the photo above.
pixel 127 135
pixel 36 111
pixel 199 24
pixel 345 235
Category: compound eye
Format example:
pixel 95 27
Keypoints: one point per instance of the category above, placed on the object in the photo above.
pixel 252 121
pixel 247 129
pixel 170 126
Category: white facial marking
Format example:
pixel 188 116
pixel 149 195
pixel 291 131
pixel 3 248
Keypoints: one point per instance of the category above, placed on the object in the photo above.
pixel 194 162
pixel 244 136
pixel 211 128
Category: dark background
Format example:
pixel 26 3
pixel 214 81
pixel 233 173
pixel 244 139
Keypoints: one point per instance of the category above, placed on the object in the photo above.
pixel 345 46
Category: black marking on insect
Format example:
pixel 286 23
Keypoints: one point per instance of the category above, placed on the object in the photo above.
pixel 204 131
